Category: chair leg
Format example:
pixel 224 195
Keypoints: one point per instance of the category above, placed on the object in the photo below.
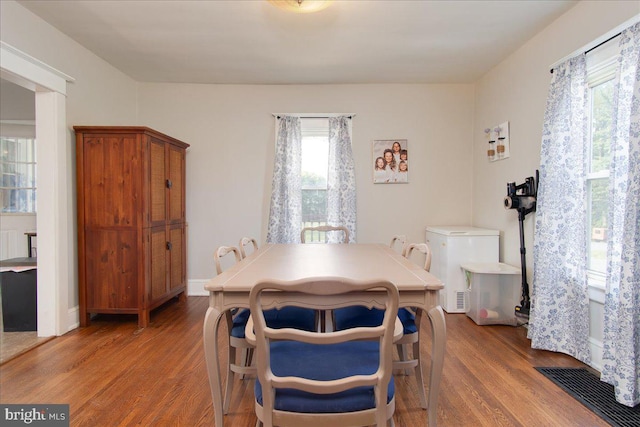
pixel 402 355
pixel 230 379
pixel 418 375
pixel 405 347
pixel 245 359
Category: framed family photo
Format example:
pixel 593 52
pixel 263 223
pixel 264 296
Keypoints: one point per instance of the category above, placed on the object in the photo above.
pixel 390 161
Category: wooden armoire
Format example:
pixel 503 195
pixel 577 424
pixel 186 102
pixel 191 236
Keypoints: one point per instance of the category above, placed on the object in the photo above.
pixel 131 220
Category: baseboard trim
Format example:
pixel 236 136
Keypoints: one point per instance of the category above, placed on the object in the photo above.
pixel 195 288
pixel 596 354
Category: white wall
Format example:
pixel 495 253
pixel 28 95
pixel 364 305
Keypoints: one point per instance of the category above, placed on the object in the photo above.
pixel 100 95
pixel 230 161
pixel 516 91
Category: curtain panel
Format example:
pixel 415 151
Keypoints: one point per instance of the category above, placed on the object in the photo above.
pixel 559 313
pixel 341 181
pixel 621 354
pixel 285 214
pixel 559 317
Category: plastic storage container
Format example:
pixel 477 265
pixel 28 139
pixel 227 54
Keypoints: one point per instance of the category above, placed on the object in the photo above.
pixel 493 293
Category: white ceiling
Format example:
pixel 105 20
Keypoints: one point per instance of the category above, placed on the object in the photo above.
pixel 252 42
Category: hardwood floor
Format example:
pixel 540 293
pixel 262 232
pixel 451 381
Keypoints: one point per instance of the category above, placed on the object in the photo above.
pixel 114 374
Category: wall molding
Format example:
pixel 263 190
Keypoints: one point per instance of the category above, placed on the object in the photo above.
pixel 29 72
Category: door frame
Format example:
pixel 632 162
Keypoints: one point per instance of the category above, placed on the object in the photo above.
pixel 56 217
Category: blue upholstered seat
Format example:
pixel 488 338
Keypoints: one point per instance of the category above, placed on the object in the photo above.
pixel 357 315
pixel 286 317
pixel 324 362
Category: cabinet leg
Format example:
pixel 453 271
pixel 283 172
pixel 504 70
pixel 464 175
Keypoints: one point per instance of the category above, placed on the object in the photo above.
pixel 143 318
pixel 85 319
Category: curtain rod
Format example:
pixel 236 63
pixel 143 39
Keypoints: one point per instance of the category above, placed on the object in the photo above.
pixel 607 37
pixel 314 116
pixel 596 46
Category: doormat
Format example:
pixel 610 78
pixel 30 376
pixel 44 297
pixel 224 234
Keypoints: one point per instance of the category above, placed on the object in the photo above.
pixel 596 395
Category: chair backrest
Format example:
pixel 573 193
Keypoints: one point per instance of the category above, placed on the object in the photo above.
pixel 326 292
pixel 402 240
pixel 245 241
pixel 325 229
pixel 420 247
pixel 223 251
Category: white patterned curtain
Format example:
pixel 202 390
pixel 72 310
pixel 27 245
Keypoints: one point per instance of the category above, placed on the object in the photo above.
pixel 621 356
pixel 559 317
pixel 285 215
pixel 341 181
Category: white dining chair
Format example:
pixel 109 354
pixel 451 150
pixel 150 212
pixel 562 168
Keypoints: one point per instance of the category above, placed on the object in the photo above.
pixel 236 321
pixel 336 379
pixel 244 243
pixel 240 354
pixel 327 230
pixel 401 240
pixel 363 316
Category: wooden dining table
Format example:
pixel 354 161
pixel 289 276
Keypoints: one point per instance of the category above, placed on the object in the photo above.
pixel 286 262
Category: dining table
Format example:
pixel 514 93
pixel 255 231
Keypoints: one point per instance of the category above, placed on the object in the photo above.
pixel 417 288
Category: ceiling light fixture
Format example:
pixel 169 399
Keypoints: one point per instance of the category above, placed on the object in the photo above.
pixel 301 6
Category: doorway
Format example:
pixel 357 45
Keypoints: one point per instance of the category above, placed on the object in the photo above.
pixel 55 204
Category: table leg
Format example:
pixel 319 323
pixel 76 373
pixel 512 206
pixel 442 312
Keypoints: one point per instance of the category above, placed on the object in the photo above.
pixel 418 368
pixel 439 338
pixel 210 335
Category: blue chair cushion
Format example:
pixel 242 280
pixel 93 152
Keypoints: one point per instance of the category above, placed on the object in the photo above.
pixel 408 320
pixel 294 317
pixel 324 362
pixel 357 315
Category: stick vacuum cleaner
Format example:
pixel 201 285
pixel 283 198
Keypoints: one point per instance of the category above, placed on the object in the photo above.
pixel 523 199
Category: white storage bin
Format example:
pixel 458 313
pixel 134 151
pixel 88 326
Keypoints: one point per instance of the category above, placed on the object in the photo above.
pixel 494 290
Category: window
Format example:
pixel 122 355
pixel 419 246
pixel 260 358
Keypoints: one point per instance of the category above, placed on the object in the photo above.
pixel 18 175
pixel 315 165
pixel 601 68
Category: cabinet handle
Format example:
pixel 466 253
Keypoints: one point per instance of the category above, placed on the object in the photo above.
pixel 169 245
pixel 169 183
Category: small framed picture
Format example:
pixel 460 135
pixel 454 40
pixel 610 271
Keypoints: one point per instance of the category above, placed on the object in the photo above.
pixel 390 161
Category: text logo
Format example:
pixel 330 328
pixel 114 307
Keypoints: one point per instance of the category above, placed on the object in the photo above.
pixel 53 415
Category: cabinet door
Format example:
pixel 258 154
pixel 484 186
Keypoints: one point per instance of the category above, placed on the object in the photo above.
pixel 111 189
pixel 159 270
pixel 177 263
pixel 158 184
pixel 177 183
pixel 112 269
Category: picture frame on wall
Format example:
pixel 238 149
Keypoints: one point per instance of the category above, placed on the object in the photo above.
pixel 390 161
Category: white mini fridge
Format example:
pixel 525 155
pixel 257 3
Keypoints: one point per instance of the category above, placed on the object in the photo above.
pixel 452 246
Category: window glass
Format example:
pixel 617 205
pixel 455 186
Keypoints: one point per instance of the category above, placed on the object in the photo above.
pixel 315 165
pixel 601 126
pixel 315 151
pixel 601 112
pixel 17 175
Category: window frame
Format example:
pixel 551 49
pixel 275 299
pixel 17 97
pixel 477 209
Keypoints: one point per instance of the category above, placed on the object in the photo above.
pixel 601 68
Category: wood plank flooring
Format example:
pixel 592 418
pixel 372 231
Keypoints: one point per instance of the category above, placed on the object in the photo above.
pixel 114 374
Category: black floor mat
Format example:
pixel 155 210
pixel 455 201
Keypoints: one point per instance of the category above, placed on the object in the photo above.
pixel 596 395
